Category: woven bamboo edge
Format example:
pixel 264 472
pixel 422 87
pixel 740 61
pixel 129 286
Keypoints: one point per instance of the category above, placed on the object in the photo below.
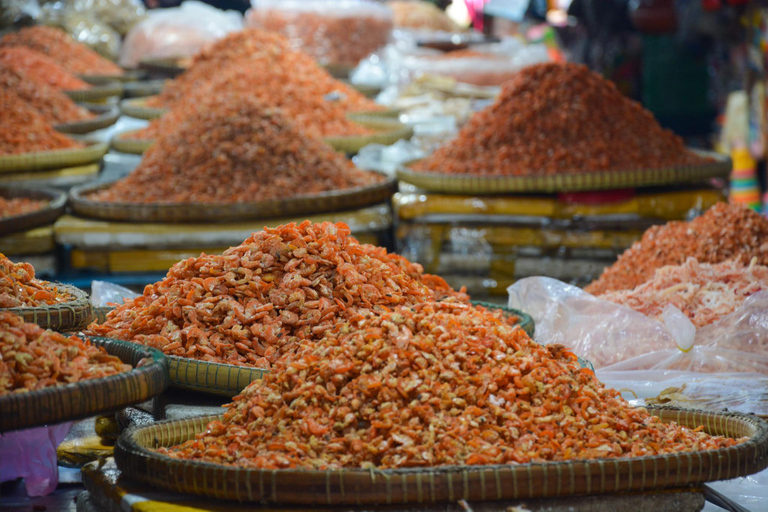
pixel 56 178
pixel 128 76
pixel 57 202
pixel 337 200
pixel 96 92
pixel 720 167
pixel 90 397
pixel 169 67
pixel 104 118
pixel 445 484
pixel 144 88
pixel 53 159
pixel 136 107
pixel 388 131
pixel 389 113
pixel 338 71
pixel 131 146
pixel 67 316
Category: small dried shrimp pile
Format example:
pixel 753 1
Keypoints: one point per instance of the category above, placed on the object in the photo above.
pixel 40 69
pixel 32 358
pixel 421 15
pixel 55 106
pixel 235 150
pixel 10 207
pixel 704 292
pixel 262 299
pixel 559 118
pixel 24 130
pixel 19 288
pixel 724 232
pixel 315 115
pixel 73 56
pixel 268 64
pixel 431 385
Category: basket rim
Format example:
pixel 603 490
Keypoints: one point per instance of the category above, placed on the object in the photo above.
pixel 57 202
pixel 96 92
pixel 160 211
pixel 137 107
pixel 76 391
pixel 128 450
pixel 105 116
pixel 594 180
pixel 73 157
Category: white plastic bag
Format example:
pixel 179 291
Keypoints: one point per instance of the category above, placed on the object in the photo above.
pixel 177 32
pixel 104 294
pixel 615 337
pixel 334 32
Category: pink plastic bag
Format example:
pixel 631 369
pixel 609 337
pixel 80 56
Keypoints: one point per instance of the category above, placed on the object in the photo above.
pixel 31 454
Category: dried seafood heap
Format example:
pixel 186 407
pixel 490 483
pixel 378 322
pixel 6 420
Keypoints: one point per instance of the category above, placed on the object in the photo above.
pixel 39 68
pixel 431 384
pixel 279 289
pixel 235 150
pixel 32 358
pixel 19 288
pixel 559 118
pixel 724 232
pixel 11 207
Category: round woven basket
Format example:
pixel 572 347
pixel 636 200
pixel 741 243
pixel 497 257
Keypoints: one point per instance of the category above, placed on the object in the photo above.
pixel 135 457
pixel 128 76
pixel 144 88
pixel 59 178
pixel 388 131
pixel 719 167
pixel 57 202
pixel 56 159
pixel 137 107
pixel 105 116
pixel 168 67
pixel 121 143
pixel 78 400
pixel 67 316
pixel 337 200
pixel 97 92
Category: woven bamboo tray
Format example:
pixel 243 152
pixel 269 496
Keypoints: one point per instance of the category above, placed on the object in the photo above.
pixel 67 316
pixel 720 167
pixel 121 143
pixel 97 92
pixel 56 178
pixel 45 216
pixel 169 67
pixel 55 159
pixel 389 113
pixel 105 116
pixel 136 460
pixel 137 107
pixel 144 88
pixel 90 397
pixel 337 200
pixel 128 76
pixel 388 131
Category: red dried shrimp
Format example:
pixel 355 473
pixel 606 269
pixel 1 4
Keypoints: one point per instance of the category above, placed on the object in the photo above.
pixel 19 288
pixel 559 118
pixel 261 300
pixel 11 207
pixel 41 69
pixel 32 358
pixel 724 232
pixel 70 54
pixel 235 150
pixel 432 384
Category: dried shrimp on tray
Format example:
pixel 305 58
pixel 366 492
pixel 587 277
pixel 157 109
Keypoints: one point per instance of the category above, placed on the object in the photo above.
pixel 51 206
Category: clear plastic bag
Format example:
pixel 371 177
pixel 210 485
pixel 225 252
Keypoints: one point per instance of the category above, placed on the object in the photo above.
pixel 104 294
pixel 121 15
pixel 84 27
pixel 335 32
pixel 31 454
pixel 177 32
pixel 615 337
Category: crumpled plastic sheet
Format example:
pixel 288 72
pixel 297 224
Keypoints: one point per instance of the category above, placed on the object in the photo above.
pixel 177 32
pixel 614 337
pixel 31 454
pixel 750 492
pixel 84 26
pixel 104 294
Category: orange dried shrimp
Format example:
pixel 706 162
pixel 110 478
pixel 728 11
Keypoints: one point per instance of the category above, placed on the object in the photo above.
pixel 559 118
pixel 70 54
pixel 19 206
pixel 19 288
pixel 314 114
pixel 432 384
pixel 39 68
pixel 235 150
pixel 24 130
pixel 724 232
pixel 274 65
pixel 32 358
pixel 55 106
pixel 261 300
